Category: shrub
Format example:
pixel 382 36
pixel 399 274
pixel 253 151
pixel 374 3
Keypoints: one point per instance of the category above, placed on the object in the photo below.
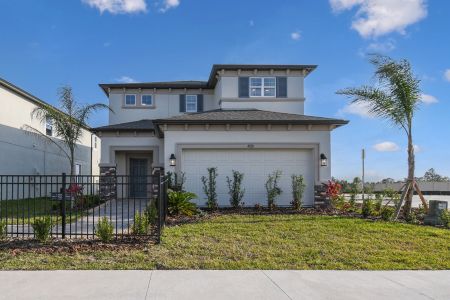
pixel 42 228
pixel 176 182
pixel 445 218
pixel 152 212
pixel 411 218
pixel 209 188
pixel 298 188
pixel 180 203
pixel 352 202
pixel 333 190
pixel 378 203
pixel 272 188
pixel 387 212
pixel 235 189
pixel 141 222
pixel 367 208
pixel 2 230
pixel 258 207
pixel 104 230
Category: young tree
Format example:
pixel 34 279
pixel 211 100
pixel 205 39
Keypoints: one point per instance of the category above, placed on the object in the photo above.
pixel 68 122
pixel 395 97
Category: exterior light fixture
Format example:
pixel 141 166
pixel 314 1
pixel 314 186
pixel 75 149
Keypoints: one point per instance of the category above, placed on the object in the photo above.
pixel 323 160
pixel 172 160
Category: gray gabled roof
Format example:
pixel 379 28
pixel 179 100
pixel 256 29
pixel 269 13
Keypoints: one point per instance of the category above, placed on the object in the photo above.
pixel 141 125
pixel 210 84
pixel 248 116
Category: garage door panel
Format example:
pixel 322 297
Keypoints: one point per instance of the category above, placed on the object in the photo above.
pixel 256 164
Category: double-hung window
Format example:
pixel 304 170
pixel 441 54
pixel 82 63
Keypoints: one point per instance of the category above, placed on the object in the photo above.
pixel 262 86
pixel 130 100
pixel 147 100
pixel 191 103
pixel 48 126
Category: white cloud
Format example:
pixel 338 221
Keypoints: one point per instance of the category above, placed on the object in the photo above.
pixel 382 47
pixel 168 4
pixel 118 6
pixel 379 17
pixel 359 108
pixel 386 147
pixel 417 148
pixel 428 99
pixel 296 35
pixel 447 74
pixel 125 79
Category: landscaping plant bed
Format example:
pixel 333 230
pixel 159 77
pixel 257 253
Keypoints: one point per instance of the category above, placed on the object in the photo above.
pixel 72 246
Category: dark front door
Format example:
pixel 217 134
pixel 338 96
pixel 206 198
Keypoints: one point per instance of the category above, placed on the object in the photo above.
pixel 138 177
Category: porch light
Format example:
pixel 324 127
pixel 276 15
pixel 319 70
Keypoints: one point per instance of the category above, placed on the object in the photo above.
pixel 323 160
pixel 172 160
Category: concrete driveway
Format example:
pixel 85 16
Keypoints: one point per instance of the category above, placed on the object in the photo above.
pixel 225 285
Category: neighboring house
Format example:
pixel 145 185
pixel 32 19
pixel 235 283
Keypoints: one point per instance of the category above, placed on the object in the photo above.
pixel 23 153
pixel 248 118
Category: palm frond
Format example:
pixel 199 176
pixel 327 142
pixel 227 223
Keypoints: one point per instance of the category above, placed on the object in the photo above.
pixel 39 134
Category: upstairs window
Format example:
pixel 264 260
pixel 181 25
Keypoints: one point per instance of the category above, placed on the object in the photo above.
pixel 147 100
pixel 48 126
pixel 130 100
pixel 262 86
pixel 191 103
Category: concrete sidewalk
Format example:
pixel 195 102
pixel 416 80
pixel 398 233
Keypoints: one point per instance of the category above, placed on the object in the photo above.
pixel 225 285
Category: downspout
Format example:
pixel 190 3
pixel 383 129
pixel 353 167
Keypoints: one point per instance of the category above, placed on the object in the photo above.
pixel 91 151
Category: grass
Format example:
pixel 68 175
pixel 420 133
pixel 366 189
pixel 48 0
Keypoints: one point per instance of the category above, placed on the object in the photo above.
pixel 265 242
pixel 25 211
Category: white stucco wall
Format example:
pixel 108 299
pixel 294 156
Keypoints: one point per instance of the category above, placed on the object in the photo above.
pixel 25 154
pixel 227 92
pixel 166 104
pixel 128 142
pixel 322 138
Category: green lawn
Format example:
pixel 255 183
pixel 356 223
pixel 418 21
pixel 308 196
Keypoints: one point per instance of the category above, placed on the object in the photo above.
pixel 265 242
pixel 24 211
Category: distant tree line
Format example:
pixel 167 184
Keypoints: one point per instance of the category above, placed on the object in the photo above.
pixel 355 186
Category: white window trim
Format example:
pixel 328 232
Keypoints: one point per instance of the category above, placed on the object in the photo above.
pixel 125 100
pixel 142 97
pixel 196 103
pixel 262 87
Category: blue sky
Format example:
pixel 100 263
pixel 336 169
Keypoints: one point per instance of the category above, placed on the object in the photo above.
pixel 48 43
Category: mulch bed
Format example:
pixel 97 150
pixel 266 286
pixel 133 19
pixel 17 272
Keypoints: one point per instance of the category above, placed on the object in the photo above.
pixel 68 246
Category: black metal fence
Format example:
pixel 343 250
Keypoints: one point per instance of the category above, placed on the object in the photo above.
pixel 74 205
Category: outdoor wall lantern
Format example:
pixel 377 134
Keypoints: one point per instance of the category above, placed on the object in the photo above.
pixel 172 160
pixel 323 160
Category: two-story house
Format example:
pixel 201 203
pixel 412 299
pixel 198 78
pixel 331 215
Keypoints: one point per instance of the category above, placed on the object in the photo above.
pixel 248 118
pixel 22 153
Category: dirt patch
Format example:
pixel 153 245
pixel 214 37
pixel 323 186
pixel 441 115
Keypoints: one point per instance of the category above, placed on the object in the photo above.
pixel 16 247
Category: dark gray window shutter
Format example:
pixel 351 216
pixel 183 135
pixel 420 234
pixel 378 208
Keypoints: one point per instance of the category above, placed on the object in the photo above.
pixel 199 103
pixel 243 87
pixel 281 87
pixel 182 103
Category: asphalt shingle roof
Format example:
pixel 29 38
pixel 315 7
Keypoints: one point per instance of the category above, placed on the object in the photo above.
pixel 247 116
pixel 141 125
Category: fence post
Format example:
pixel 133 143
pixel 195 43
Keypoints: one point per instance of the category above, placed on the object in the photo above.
pixel 63 205
pixel 161 205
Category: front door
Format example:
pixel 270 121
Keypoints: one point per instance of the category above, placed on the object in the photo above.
pixel 138 177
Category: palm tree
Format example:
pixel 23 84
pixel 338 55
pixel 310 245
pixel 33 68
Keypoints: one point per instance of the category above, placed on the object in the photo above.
pixel 67 123
pixel 395 97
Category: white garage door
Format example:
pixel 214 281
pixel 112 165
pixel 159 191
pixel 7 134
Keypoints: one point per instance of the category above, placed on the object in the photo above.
pixel 256 164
